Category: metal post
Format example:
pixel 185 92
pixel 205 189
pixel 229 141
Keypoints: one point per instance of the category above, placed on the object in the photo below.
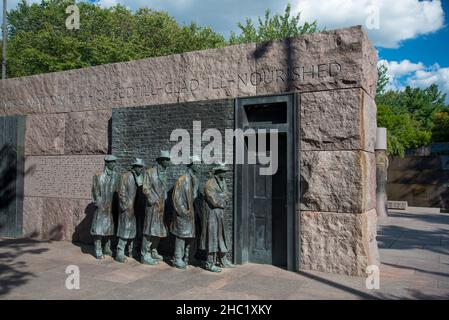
pixel 5 36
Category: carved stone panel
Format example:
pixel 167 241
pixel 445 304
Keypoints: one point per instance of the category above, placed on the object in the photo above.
pixel 61 176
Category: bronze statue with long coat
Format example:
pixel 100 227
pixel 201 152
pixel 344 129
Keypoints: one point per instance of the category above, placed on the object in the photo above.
pixel 155 191
pixel 126 231
pixel 184 194
pixel 104 188
pixel 213 231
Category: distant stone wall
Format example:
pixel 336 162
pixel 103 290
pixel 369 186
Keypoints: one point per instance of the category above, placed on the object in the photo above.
pixel 334 73
pixel 422 181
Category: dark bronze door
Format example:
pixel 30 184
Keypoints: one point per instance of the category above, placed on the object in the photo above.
pixel 259 206
pixel 264 220
pixel 12 131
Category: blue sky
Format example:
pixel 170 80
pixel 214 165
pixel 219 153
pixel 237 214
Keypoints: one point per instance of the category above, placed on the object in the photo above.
pixel 412 36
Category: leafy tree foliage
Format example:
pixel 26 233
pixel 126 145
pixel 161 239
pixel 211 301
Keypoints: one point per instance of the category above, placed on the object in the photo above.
pixel 440 130
pixel 272 27
pixel 414 117
pixel 39 41
pixel 403 131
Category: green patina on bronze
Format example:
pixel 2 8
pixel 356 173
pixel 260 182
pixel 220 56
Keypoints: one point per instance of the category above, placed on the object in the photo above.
pixel 185 192
pixel 155 191
pixel 213 231
pixel 104 187
pixel 130 182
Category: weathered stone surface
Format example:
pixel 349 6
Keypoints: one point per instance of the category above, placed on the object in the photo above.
pixel 87 132
pixel 338 59
pixel 369 122
pixel 322 61
pixel 219 73
pixel 337 120
pixel 58 221
pixel 342 243
pixel 44 134
pixel 61 176
pixel 82 221
pixel 32 217
pixel 338 181
pixel 65 219
pixel 369 66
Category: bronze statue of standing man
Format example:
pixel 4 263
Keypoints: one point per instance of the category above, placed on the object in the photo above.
pixel 185 192
pixel 155 191
pixel 104 187
pixel 130 182
pixel 213 231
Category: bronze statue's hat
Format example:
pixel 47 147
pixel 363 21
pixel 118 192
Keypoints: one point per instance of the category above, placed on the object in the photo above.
pixel 164 155
pixel 110 158
pixel 138 163
pixel 221 167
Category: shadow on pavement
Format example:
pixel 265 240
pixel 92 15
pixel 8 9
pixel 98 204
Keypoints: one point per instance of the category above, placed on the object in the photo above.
pixel 12 268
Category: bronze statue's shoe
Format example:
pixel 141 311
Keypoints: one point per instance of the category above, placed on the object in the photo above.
pixel 121 259
pixel 225 263
pixel 212 267
pixel 155 255
pixel 179 264
pixel 99 256
pixel 107 251
pixel 147 259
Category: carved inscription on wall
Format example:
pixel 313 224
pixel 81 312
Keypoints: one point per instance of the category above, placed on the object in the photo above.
pixel 61 176
pixel 143 89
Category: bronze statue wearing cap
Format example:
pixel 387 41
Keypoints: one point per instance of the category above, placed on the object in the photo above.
pixel 185 192
pixel 126 232
pixel 213 232
pixel 155 191
pixel 104 187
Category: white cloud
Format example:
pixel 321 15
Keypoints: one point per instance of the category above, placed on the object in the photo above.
pixel 398 20
pixel 107 3
pixel 417 75
pixel 436 75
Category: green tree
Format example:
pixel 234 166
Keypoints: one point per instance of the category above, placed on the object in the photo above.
pixel 414 117
pixel 39 41
pixel 403 132
pixel 273 27
pixel 440 130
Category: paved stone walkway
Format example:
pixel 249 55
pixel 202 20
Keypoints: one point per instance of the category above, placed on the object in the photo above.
pixel 414 251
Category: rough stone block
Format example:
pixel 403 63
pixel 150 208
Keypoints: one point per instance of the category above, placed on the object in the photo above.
pixel 321 61
pixel 342 243
pixel 337 120
pixel 219 73
pixel 338 181
pixel 44 134
pixel 32 217
pixel 87 132
pixel 369 63
pixel 58 222
pixel 368 122
pixel 82 221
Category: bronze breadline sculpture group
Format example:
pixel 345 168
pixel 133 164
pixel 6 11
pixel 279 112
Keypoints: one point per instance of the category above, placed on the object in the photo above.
pixel 152 183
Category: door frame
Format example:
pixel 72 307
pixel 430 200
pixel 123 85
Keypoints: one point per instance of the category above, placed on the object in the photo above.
pixel 241 228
